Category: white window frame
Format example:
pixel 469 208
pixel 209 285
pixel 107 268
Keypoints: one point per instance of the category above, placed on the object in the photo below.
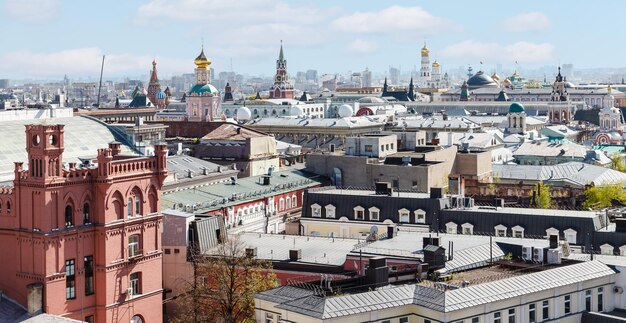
pixel 517 229
pixel 316 211
pixel 570 235
pixel 452 228
pixel 606 249
pixel 552 232
pixel 404 216
pixel 331 211
pixel 358 209
pixel 420 216
pixel 374 211
pixel 281 204
pixel 499 228
pixel 467 228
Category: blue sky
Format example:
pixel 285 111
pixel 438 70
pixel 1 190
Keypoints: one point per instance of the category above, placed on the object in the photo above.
pixel 50 38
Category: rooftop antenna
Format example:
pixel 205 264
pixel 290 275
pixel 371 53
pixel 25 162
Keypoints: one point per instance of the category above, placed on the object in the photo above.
pixel 100 85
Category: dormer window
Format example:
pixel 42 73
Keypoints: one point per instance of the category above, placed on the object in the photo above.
pixel 316 211
pixel 374 213
pixel 359 213
pixel 330 211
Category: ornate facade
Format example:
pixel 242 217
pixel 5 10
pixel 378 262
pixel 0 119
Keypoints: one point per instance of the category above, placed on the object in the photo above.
pixel 611 127
pixel 430 75
pixel 203 99
pixel 282 88
pixel 85 239
pixel 154 87
pixel 560 109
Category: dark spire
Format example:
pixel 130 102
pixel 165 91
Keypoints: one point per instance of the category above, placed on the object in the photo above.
pixel 464 92
pixel 559 77
pixel 258 95
pixel 411 93
pixel 281 56
pixel 385 87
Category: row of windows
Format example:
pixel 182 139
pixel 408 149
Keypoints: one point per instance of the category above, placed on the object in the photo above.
pixel 69 215
pixel 292 202
pixel 70 277
pixel 536 312
pixel 373 213
pixel 502 231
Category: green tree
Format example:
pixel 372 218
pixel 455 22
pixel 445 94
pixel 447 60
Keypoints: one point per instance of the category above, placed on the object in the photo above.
pixel 226 282
pixel 541 196
pixel 617 162
pixel 598 197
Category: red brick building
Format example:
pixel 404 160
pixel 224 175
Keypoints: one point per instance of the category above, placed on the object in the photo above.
pixel 83 241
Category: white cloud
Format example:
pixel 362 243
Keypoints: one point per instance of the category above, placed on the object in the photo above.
pixel 359 46
pixel 233 12
pixel 526 21
pixel 242 28
pixel 391 20
pixel 32 11
pixel 86 62
pixel 523 52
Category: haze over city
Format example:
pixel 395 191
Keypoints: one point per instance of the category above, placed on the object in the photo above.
pixel 46 39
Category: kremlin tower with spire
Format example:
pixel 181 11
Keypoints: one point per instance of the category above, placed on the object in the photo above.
pixel 282 88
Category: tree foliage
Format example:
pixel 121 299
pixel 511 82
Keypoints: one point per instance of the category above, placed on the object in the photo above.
pixel 600 197
pixel 541 196
pixel 617 163
pixel 225 285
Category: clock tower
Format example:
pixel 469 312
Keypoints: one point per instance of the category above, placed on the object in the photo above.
pixel 282 88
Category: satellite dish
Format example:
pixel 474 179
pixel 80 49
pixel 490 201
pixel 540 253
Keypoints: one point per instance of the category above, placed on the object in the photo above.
pixel 374 230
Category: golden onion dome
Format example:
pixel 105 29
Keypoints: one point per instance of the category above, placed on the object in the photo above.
pixel 201 61
pixel 495 77
pixel 425 51
pixel 515 75
pixel 436 64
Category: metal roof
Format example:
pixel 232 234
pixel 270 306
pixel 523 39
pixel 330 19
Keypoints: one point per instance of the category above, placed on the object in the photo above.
pixel 439 300
pixel 319 250
pixel 82 137
pixel 333 123
pixel 219 195
pixel 551 149
pixel 573 172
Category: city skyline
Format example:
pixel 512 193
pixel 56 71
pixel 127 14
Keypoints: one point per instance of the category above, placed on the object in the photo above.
pixel 65 37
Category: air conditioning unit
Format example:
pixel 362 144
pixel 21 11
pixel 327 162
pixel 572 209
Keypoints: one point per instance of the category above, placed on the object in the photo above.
pixel 538 255
pixel 129 291
pixel 618 290
pixel 527 253
pixel 554 256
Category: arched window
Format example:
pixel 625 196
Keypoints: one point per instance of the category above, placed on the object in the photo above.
pixel 136 319
pixel 86 214
pixel 69 216
pixel 288 202
pixel 0 206
pixel 118 205
pixel 129 211
pixel 8 206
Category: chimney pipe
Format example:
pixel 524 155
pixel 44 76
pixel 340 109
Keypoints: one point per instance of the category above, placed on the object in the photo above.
pixel 35 298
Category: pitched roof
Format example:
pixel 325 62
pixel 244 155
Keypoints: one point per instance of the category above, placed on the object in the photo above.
pixel 573 172
pixel 439 300
pixel 229 131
